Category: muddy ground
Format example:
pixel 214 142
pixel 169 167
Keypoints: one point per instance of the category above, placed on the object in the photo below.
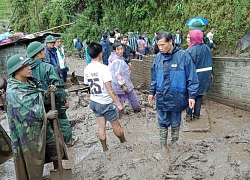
pixel 222 152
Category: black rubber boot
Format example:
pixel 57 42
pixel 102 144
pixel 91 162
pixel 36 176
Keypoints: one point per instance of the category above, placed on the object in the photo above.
pixel 55 164
pixel 104 145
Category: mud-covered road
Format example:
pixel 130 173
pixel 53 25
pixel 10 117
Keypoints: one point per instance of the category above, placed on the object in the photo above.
pixel 223 152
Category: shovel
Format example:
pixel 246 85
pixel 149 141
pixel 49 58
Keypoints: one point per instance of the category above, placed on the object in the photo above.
pixel 60 173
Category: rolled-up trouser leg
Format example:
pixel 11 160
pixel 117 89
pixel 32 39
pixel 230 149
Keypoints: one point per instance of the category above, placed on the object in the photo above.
pixel 133 100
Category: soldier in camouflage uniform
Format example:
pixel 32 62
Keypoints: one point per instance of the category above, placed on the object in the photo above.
pixel 5 146
pixel 5 142
pixel 29 130
pixel 47 75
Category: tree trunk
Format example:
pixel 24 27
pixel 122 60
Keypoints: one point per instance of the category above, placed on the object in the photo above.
pixel 37 16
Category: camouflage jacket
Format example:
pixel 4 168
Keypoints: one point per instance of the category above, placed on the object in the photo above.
pixel 48 75
pixel 5 146
pixel 26 114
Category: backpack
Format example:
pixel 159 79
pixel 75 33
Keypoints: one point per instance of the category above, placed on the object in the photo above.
pixel 206 41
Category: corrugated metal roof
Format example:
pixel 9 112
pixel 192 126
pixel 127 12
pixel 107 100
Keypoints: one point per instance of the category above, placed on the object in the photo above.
pixel 37 37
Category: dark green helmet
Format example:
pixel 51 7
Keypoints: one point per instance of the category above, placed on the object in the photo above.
pixel 196 26
pixel 15 62
pixel 50 39
pixel 34 48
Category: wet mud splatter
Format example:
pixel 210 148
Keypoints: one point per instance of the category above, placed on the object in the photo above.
pixel 221 153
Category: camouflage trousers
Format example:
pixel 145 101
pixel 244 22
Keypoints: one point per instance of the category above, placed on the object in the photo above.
pixel 50 152
pixel 64 124
pixel 65 127
pixel 5 146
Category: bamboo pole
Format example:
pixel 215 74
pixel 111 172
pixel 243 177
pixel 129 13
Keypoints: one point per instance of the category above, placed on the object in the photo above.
pixel 69 24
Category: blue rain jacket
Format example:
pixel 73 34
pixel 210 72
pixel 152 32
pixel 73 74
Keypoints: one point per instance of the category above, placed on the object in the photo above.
pixel 202 58
pixel 173 80
pixel 51 57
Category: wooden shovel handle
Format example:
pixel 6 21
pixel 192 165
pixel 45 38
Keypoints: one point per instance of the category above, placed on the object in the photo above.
pixel 56 131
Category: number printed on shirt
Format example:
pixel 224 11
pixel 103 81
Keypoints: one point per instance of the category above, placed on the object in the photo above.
pixel 95 88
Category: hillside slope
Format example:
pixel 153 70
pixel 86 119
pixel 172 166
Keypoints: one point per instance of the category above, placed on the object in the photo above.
pixel 229 17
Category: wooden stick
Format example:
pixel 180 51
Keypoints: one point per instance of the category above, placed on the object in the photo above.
pixel 69 24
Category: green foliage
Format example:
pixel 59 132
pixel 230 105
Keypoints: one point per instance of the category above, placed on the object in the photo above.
pixel 229 17
pixel 4 10
pixel 51 13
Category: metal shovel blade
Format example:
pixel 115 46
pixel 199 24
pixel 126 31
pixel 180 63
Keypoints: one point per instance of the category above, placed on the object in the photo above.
pixel 66 174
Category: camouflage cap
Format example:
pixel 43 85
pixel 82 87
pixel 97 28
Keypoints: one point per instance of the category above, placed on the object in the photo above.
pixel 34 48
pixel 15 62
pixel 50 39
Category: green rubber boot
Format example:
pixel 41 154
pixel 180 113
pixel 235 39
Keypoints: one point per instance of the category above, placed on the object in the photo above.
pixel 163 136
pixel 175 134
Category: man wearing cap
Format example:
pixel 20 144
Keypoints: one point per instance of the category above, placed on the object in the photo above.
pixel 50 51
pixel 30 132
pixel 197 25
pixel 47 75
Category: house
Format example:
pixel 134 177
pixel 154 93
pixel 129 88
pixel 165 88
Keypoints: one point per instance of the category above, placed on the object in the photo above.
pixel 19 46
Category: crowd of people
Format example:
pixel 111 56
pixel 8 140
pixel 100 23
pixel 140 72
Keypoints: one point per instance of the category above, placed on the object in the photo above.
pixel 179 79
pixel 137 45
pixel 31 79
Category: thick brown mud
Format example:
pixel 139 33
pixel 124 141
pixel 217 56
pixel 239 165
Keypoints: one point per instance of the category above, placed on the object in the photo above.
pixel 221 153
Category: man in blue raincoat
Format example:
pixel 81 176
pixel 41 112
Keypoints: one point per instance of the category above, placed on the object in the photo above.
pixel 202 58
pixel 174 84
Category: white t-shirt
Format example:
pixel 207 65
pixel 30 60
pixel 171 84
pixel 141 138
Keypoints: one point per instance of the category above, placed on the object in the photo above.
pixel 95 75
pixel 210 37
pixel 61 57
